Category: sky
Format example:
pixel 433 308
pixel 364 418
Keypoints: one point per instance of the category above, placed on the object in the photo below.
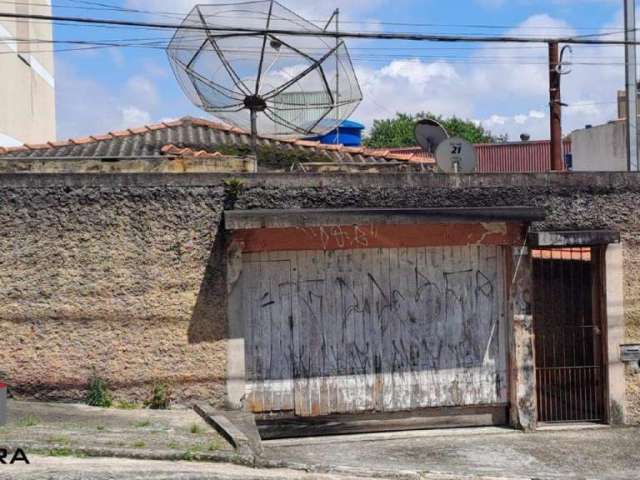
pixel 504 87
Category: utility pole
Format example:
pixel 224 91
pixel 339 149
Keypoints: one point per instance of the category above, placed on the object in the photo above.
pixel 631 85
pixel 555 107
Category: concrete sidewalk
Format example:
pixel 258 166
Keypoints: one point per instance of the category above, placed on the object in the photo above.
pixel 60 436
pixel 589 452
pixel 73 429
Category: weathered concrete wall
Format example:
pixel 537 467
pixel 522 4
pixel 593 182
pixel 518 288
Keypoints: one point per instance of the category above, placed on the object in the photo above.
pixel 111 279
pixel 600 148
pixel 109 271
pixel 221 164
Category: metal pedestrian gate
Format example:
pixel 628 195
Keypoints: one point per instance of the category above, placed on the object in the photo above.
pixel 569 334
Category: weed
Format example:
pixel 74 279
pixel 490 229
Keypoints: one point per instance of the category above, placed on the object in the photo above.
pixel 126 405
pixel 191 453
pixel 139 444
pixel 98 394
pixel 233 188
pixel 59 439
pixel 214 445
pixel 173 445
pixel 196 429
pixel 100 428
pixel 143 423
pixel 28 421
pixel 177 249
pixel 159 397
pixel 60 452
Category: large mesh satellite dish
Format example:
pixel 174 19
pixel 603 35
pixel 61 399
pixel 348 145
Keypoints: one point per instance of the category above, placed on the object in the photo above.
pixel 273 84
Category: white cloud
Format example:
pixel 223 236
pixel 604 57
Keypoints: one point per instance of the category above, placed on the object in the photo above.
pixel 110 109
pixel 143 89
pixel 133 116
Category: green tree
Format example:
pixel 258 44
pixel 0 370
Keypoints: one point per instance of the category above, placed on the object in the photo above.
pixel 398 132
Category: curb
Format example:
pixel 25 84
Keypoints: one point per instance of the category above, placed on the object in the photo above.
pixel 226 429
pixel 248 460
pixel 142 454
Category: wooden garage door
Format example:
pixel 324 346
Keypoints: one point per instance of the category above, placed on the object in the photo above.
pixel 374 330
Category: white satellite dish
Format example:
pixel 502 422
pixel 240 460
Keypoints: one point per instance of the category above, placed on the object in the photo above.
pixel 429 134
pixel 456 155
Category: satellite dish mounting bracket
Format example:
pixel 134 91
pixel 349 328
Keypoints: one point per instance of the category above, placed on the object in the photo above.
pixel 255 103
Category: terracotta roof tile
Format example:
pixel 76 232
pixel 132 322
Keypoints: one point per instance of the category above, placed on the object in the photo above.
pixel 355 150
pixel 62 143
pixel 22 148
pixel 139 130
pixel 100 138
pixel 81 140
pixel 120 133
pixel 188 152
pixel 307 143
pixel 36 146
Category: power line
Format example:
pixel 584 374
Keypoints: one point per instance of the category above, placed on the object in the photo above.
pixel 89 5
pixel 365 56
pixel 327 34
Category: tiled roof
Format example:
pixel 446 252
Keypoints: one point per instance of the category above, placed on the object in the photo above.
pixel 185 137
pixel 409 154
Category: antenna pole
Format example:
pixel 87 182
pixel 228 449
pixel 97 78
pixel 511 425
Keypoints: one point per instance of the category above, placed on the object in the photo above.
pixel 337 95
pixel 254 132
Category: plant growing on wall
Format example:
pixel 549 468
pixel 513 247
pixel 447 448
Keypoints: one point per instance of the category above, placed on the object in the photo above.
pixel 159 399
pixel 98 394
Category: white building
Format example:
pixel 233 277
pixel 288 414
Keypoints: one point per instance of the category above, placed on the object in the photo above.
pixel 27 84
pixel 602 148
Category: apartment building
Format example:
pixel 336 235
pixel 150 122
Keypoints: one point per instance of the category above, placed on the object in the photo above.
pixel 27 83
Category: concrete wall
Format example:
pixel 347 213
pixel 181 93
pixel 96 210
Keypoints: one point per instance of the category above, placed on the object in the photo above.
pixel 160 165
pixel 27 85
pixel 123 272
pixel 600 149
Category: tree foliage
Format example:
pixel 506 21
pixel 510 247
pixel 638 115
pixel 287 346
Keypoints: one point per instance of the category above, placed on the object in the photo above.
pixel 399 131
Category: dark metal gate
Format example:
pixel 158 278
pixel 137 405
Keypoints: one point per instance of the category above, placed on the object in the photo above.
pixel 568 334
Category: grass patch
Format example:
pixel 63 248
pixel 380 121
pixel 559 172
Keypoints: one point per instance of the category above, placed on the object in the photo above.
pixel 191 453
pixel 59 439
pixel 214 445
pixel 196 429
pixel 28 421
pixel 142 423
pixel 173 445
pixel 126 405
pixel 139 444
pixel 60 452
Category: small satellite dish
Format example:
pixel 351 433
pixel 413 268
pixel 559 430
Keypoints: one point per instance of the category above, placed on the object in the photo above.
pixel 456 155
pixel 429 134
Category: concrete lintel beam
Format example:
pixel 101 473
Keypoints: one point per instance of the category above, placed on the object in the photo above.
pixel 254 219
pixel 573 238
